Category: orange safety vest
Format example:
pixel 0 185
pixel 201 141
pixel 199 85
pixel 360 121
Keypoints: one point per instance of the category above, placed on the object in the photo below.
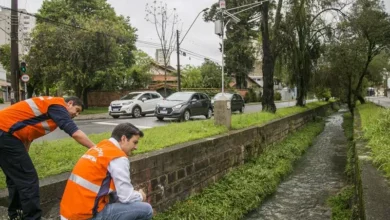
pixel 28 120
pixel 87 189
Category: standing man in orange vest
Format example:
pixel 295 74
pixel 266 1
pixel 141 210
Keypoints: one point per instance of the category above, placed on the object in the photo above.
pixel 101 172
pixel 20 124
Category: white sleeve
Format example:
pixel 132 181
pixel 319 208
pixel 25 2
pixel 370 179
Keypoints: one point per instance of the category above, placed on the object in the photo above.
pixel 119 169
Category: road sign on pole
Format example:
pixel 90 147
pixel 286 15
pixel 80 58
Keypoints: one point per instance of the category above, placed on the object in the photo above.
pixel 25 78
pixel 222 4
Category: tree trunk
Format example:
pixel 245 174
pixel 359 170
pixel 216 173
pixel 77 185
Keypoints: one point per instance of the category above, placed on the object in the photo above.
pixel 361 99
pixel 47 91
pixel 30 90
pixel 300 91
pixel 79 91
pixel 357 93
pixel 268 63
pixel 165 81
pixel 85 98
pixel 350 102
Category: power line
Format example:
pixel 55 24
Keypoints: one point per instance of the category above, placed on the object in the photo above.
pixel 97 32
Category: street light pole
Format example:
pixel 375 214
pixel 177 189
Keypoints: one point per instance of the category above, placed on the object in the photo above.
pixel 223 52
pixel 178 49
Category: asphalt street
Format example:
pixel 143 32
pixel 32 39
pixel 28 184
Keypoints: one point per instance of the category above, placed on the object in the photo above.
pixel 107 125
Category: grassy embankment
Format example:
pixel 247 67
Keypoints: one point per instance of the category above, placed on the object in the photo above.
pixel 59 156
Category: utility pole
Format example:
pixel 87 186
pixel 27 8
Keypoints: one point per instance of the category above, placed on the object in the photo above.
pixel 178 49
pixel 178 61
pixel 14 53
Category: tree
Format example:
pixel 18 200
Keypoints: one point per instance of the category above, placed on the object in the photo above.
pixel 211 75
pixel 370 24
pixel 90 42
pixel 140 71
pixel 165 22
pixel 192 77
pixel 239 44
pixel 305 30
pixel 5 57
pixel 270 53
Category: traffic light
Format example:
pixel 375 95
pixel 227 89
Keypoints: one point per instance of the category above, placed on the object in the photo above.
pixel 23 67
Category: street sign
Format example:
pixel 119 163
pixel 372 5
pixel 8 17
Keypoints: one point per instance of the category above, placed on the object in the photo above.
pixel 25 78
pixel 222 4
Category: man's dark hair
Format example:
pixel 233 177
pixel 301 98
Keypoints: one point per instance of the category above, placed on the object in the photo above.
pixel 76 101
pixel 126 129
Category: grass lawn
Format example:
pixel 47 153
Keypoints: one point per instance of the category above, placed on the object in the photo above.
pixel 94 110
pixel 375 123
pixel 58 156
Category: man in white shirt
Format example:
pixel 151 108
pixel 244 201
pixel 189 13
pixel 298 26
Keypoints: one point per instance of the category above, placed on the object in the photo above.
pixel 103 172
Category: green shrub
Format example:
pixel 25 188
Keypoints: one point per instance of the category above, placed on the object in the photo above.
pixel 1 100
pixel 252 97
pixel 340 204
pixel 246 98
pixel 323 94
pixel 277 96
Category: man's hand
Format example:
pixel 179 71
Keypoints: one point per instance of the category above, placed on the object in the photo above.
pixel 143 195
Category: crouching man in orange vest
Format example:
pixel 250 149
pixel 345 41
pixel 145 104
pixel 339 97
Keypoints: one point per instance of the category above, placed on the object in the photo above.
pixel 101 172
pixel 20 124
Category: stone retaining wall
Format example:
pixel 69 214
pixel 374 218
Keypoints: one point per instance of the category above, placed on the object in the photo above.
pixel 174 173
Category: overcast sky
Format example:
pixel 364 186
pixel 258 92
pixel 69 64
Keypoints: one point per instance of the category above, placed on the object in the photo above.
pixel 201 38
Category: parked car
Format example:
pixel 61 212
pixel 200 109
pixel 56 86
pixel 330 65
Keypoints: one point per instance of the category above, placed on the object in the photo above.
pixel 236 101
pixel 184 105
pixel 136 104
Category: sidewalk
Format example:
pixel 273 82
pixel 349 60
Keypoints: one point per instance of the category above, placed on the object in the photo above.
pixel 5 105
pixel 380 100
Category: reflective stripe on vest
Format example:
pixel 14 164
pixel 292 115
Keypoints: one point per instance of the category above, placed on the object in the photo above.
pixel 37 113
pixel 34 107
pixel 63 218
pixel 85 183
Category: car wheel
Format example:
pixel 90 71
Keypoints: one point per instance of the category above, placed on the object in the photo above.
pixel 115 116
pixel 209 113
pixel 160 118
pixel 242 109
pixel 136 112
pixel 186 115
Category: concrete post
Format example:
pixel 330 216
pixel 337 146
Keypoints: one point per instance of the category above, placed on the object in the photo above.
pixel 223 112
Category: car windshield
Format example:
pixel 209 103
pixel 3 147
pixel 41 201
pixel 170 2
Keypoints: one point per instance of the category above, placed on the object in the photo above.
pixel 220 94
pixel 179 96
pixel 130 96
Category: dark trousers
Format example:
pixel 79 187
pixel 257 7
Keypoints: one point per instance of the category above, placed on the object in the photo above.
pixel 21 177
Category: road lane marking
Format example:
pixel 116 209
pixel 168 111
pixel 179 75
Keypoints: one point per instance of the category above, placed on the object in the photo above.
pixel 115 124
pixel 106 123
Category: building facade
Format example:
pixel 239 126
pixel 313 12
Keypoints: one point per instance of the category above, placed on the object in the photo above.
pixel 26 26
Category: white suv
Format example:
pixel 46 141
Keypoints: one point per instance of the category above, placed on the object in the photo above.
pixel 136 104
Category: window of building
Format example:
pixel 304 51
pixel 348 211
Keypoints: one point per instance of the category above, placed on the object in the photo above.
pixel 26 17
pixel 25 28
pixel 26 22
